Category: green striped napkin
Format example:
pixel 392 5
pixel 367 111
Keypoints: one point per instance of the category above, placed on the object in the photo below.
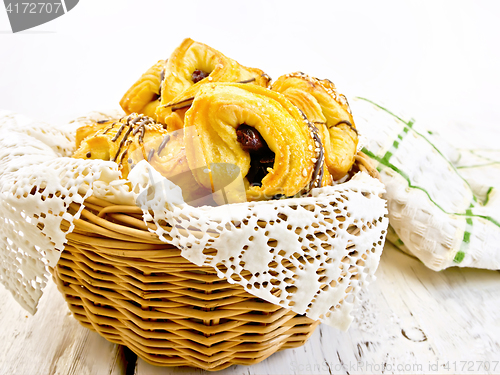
pixel 444 205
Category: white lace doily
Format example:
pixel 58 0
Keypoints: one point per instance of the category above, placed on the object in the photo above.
pixel 310 254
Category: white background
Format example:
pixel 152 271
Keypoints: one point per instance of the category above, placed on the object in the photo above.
pixel 436 60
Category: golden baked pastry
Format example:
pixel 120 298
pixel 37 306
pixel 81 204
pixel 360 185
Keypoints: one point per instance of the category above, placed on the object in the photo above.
pixel 89 130
pixel 277 151
pixel 193 64
pixel 120 141
pixel 327 179
pixel 175 120
pixel 207 123
pixel 167 154
pixel 135 138
pixel 329 111
pixel 143 96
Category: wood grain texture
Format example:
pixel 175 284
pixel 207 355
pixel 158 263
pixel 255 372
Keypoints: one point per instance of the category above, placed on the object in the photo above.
pixel 52 341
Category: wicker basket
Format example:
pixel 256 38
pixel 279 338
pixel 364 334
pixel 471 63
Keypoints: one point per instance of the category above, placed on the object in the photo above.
pixel 120 280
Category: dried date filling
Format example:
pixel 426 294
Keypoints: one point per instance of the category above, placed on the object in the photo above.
pixel 198 75
pixel 261 157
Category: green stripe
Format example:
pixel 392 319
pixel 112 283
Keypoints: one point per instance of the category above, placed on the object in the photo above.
pixel 489 218
pixel 478 165
pixel 396 143
pixel 385 109
pixel 477 149
pixel 384 161
pixel 402 174
pixel 466 237
pixel 475 153
pixel 488 196
pixel 410 123
pixel 459 257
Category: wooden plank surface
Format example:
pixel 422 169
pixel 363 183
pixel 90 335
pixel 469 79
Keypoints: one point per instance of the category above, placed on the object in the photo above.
pixel 52 341
pixel 413 320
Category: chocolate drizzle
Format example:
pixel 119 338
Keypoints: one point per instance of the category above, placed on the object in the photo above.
pixel 151 154
pixel 141 127
pixel 123 155
pixel 162 77
pixel 119 132
pixel 185 103
pixel 136 124
pixel 102 121
pixel 348 124
pixel 247 80
pixel 109 128
pixel 134 121
pixel 317 176
pixel 266 77
pixel 163 143
pixel 179 102
pixel 181 107
pixel 122 142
